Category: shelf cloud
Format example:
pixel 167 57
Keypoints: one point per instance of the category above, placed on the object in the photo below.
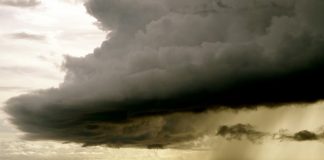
pixel 171 57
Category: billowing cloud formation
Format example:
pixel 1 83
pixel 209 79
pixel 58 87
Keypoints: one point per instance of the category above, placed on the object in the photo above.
pixel 240 131
pixel 20 3
pixel 171 56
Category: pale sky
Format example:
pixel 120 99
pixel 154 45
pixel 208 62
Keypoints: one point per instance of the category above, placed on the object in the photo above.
pixel 29 63
pixel 33 43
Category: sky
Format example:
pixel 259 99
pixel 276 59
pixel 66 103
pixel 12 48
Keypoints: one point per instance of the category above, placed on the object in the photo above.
pixel 142 79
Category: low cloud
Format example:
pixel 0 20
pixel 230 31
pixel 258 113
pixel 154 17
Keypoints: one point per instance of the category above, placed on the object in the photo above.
pixel 247 131
pixel 20 3
pixel 239 132
pixel 179 57
pixel 149 132
pixel 303 135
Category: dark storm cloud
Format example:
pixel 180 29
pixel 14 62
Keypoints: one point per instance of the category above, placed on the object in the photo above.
pixel 240 131
pixel 27 36
pixel 169 56
pixel 149 132
pixel 20 3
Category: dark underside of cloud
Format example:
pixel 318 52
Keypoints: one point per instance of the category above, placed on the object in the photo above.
pixel 20 3
pixel 165 58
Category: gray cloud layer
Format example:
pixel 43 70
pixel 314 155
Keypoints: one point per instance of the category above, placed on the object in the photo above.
pixel 20 3
pixel 171 56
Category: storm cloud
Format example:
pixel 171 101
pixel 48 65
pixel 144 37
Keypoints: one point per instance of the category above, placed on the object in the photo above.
pixel 169 57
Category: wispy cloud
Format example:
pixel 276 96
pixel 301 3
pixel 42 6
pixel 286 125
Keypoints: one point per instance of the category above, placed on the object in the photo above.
pixel 27 36
pixel 27 70
pixel 12 88
pixel 20 3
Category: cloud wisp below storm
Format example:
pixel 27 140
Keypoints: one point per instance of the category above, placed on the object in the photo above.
pixel 240 131
pixel 169 57
pixel 248 132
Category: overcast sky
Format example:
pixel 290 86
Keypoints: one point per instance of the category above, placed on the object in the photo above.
pixel 142 79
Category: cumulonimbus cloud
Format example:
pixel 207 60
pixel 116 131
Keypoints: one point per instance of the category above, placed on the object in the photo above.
pixel 167 56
